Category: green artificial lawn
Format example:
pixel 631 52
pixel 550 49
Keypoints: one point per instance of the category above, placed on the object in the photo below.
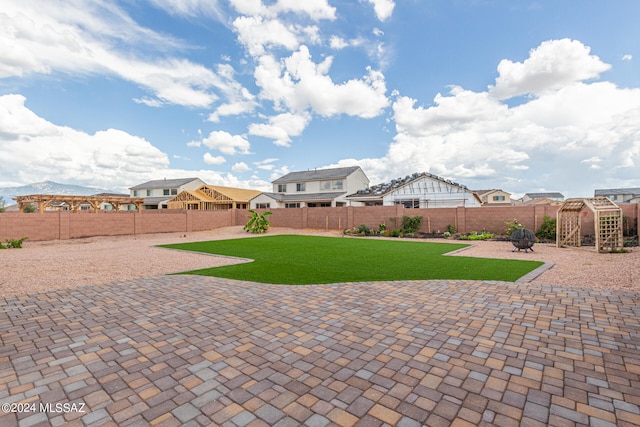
pixel 293 259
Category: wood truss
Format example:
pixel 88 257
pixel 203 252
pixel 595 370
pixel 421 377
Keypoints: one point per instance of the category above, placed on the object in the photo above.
pixel 211 198
pixel 54 201
pixel 607 223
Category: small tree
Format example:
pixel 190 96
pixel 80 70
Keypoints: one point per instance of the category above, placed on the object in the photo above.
pixel 3 204
pixel 258 223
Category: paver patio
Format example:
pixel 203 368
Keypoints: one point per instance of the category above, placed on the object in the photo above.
pixel 190 350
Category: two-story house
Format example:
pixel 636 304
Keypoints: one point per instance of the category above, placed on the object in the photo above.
pixel 420 190
pixel 313 188
pixel 494 197
pixel 157 193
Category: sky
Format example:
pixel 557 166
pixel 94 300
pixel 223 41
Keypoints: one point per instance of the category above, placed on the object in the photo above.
pixel 523 96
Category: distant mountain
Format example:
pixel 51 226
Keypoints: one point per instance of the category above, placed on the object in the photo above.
pixel 47 187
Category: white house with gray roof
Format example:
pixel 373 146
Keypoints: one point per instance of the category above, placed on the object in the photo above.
pixel 313 188
pixel 157 193
pixel 420 190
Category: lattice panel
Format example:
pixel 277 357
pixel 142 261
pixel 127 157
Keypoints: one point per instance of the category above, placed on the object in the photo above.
pixel 609 236
pixel 568 232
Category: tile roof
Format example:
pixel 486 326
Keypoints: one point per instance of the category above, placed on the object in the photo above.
pixel 382 189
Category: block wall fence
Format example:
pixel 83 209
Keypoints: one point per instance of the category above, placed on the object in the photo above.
pixel 64 225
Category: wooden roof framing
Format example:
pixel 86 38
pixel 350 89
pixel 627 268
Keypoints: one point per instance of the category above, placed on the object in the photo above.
pixel 608 223
pixel 211 197
pixel 49 200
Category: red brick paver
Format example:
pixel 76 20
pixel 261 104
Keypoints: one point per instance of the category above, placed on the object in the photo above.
pixel 189 350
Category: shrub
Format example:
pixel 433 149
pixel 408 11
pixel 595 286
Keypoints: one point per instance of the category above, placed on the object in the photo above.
pixel 547 229
pixel 13 243
pixel 411 224
pixel 512 226
pixel 475 236
pixel 451 229
pixel 382 228
pixel 362 229
pixel 258 223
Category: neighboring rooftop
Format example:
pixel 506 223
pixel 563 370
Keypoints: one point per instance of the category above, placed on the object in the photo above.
pixel 163 183
pixel 552 195
pixel 317 175
pixel 619 191
pixel 380 189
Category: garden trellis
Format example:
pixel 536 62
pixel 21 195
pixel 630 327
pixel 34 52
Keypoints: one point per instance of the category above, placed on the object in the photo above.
pixel 607 223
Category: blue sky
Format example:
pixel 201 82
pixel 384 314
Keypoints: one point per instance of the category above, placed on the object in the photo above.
pixel 524 96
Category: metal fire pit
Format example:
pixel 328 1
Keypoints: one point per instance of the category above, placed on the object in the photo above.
pixel 523 238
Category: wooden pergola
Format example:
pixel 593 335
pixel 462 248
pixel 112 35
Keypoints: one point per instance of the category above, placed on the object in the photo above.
pixel 607 223
pixel 50 200
pixel 213 198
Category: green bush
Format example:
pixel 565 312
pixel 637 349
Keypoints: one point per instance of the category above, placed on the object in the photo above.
pixel 362 229
pixel 547 229
pixel 258 223
pixel 13 243
pixel 512 226
pixel 475 236
pixel 411 224
pixel 451 229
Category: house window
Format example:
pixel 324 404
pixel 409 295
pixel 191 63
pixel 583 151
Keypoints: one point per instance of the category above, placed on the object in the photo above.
pixel 282 188
pixel 292 205
pixel 165 192
pixel 337 185
pixel 325 185
pixel 498 198
pixel 325 204
pixel 149 192
pixel 174 191
pixel 136 193
pixel 300 187
pixel 263 205
pixel 312 205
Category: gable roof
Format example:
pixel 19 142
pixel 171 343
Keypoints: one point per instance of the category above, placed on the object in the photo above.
pixel 317 175
pixel 163 183
pixel 382 189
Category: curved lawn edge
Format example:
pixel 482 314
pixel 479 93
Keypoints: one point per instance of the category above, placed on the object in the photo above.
pixel 305 260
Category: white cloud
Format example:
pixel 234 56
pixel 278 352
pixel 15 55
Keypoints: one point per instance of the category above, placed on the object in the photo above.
pixel 266 164
pixel 337 43
pixel 257 34
pixel 574 138
pixel 551 66
pixel 227 143
pixel 627 57
pixel 213 160
pixel 240 167
pixel 383 8
pixel 33 149
pixel 314 9
pixel 282 127
pixel 298 83
pixel 190 8
pixel 76 37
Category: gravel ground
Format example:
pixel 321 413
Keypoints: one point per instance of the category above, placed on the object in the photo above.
pixel 41 266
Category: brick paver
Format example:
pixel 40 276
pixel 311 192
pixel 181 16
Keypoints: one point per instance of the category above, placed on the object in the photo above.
pixel 189 350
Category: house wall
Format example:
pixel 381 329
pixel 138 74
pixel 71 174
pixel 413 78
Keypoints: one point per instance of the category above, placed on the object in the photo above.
pixel 64 225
